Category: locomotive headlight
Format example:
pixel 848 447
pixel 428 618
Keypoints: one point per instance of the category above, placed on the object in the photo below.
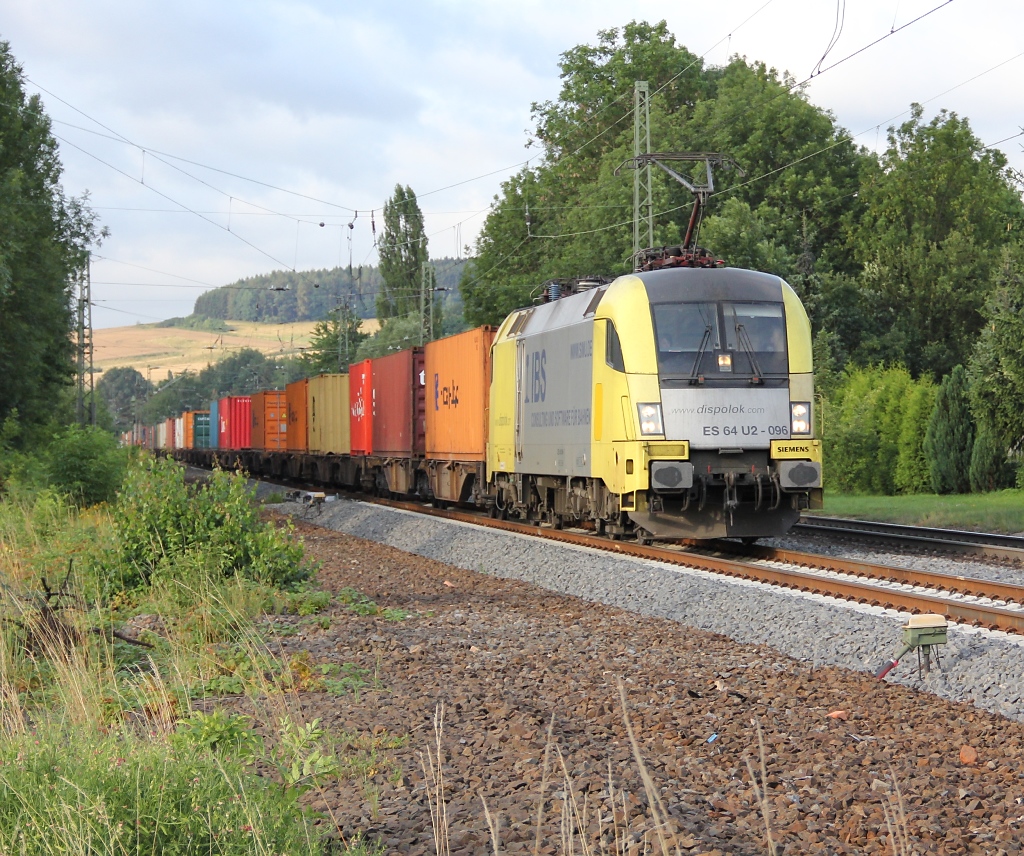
pixel 800 417
pixel 650 419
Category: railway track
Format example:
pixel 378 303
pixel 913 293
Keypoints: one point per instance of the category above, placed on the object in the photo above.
pixel 979 544
pixel 965 600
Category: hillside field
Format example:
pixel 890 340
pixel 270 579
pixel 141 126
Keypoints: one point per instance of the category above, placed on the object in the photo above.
pixel 153 350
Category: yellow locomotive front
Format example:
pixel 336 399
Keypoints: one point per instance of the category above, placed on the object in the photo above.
pixel 706 403
pixel 675 403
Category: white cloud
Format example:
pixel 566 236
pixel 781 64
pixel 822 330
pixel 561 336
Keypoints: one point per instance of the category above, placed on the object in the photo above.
pixel 342 101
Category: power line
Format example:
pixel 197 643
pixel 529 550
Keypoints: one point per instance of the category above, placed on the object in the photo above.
pixel 843 139
pixel 182 204
pixel 120 137
pixel 151 270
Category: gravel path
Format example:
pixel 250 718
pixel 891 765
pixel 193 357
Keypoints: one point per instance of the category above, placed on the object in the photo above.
pixel 514 635
pixel 979 666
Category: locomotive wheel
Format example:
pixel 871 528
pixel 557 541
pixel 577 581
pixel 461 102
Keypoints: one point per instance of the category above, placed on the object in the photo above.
pixel 644 538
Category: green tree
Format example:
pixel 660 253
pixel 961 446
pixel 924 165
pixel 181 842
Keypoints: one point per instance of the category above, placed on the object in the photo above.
pixel 124 390
pixel 396 334
pixel 325 353
pixel 996 369
pixel 44 242
pixel 949 440
pixel 936 215
pixel 242 373
pixel 913 474
pixel 86 463
pixel 571 215
pixel 403 253
pixel 864 434
pixel 989 469
pixel 747 239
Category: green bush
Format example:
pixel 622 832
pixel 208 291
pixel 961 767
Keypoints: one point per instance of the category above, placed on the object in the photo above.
pixel 160 520
pixel 912 472
pixel 874 432
pixel 889 410
pixel 851 443
pixel 949 440
pixel 65 793
pixel 989 468
pixel 86 463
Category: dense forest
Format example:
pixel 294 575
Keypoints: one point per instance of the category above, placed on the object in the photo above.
pixel 283 296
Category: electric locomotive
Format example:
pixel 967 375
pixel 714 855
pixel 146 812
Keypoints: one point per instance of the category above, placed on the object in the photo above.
pixel 668 403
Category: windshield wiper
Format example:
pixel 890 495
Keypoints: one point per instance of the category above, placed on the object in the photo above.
pixel 744 339
pixel 695 378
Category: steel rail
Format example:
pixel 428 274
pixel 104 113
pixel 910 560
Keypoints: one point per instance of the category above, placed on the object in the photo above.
pixel 985 545
pixel 953 583
pixel 992 617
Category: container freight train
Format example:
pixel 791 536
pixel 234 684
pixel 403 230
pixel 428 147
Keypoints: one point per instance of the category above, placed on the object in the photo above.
pixel 673 403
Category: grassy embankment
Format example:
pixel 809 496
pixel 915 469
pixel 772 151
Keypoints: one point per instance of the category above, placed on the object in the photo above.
pixel 153 350
pixel 112 747
pixel 999 511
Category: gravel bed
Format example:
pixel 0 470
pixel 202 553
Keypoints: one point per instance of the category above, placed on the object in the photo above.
pixel 510 660
pixel 981 667
pixel 943 563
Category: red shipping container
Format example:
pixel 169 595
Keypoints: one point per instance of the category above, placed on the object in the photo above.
pixel 269 420
pixel 296 404
pixel 360 392
pixel 399 421
pixel 240 422
pixel 169 436
pixel 222 423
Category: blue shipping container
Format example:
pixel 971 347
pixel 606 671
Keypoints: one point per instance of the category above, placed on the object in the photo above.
pixel 214 422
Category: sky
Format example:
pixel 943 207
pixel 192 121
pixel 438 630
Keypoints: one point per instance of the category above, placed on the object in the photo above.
pixel 224 140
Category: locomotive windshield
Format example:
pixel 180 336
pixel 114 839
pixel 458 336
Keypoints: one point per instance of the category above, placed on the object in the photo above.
pixel 720 340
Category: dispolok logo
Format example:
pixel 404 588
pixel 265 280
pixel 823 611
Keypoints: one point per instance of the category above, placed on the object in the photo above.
pixel 445 395
pixel 536 386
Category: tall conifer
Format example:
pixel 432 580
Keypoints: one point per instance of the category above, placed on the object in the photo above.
pixel 949 440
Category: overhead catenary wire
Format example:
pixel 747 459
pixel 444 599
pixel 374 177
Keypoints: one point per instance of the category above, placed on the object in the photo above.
pixel 784 91
pixel 182 204
pixel 842 139
pixel 582 232
pixel 122 138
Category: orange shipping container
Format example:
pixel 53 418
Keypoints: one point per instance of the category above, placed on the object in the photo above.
pixel 269 420
pixel 297 397
pixel 328 420
pixel 189 420
pixel 458 375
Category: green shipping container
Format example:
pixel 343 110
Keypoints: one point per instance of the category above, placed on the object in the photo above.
pixel 201 426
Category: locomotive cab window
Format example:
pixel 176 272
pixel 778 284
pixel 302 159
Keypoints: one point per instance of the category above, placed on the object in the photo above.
pixel 720 340
pixel 613 348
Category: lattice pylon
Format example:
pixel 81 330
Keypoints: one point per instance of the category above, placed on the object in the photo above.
pixel 643 199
